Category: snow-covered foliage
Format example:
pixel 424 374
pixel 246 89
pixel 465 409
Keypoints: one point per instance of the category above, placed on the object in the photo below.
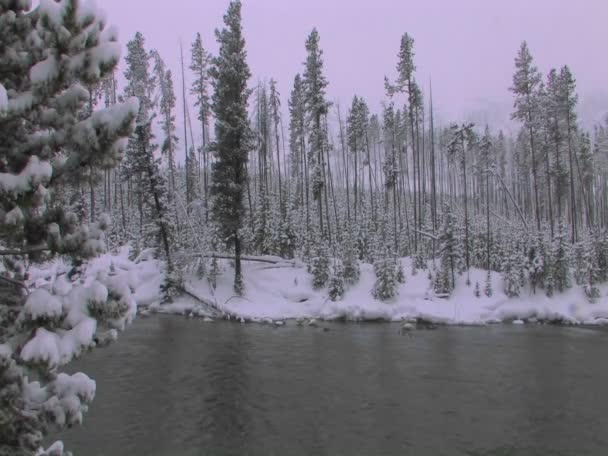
pixel 52 58
pixel 60 320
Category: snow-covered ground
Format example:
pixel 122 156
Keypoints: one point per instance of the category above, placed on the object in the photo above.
pixel 284 292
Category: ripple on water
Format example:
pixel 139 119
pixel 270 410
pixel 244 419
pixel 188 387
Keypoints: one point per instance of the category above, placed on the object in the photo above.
pixel 173 386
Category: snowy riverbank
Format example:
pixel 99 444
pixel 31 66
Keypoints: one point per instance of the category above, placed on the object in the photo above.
pixel 280 292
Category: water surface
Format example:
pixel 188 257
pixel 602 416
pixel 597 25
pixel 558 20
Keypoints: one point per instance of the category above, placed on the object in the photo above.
pixel 173 386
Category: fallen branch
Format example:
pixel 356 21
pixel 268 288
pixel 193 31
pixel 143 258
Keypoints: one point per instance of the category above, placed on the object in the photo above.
pixel 521 215
pixel 429 235
pixel 210 304
pixel 293 263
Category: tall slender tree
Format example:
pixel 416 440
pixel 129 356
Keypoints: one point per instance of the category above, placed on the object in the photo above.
pixel 200 65
pixel 526 83
pixel 314 84
pixel 230 74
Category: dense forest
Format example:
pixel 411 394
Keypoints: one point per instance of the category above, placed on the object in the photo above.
pixel 333 185
pixel 88 165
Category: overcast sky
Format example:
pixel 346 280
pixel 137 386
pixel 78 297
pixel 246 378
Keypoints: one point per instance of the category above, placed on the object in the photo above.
pixel 466 46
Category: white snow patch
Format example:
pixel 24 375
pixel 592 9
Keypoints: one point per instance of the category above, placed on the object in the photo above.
pixel 53 10
pixel 42 348
pixel 35 173
pixel 44 71
pixel 41 304
pixel 280 293
pixel 14 216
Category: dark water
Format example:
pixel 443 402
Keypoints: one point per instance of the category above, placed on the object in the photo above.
pixel 173 386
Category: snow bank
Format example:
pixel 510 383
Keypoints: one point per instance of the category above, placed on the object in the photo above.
pixel 279 293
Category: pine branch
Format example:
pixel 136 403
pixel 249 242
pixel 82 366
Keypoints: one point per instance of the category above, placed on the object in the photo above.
pixel 14 282
pixel 23 252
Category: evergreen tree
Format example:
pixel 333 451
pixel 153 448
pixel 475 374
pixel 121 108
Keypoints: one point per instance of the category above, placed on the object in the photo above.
pixel 320 265
pixel 385 287
pixel 526 83
pixel 167 107
pixel 159 230
pixel 511 272
pixel 336 282
pixel 314 84
pixel 297 154
pixel 230 73
pixel 50 137
pixel 600 252
pixel 568 101
pixel 156 226
pixel 350 263
pixel 200 66
pixel 400 274
pixel 560 263
pixel 536 265
pixel 448 251
pixel 488 287
pixel 555 121
pixel 579 261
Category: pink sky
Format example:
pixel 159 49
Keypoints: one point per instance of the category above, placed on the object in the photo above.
pixel 467 46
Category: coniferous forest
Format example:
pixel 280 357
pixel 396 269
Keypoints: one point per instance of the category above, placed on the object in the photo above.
pixel 89 166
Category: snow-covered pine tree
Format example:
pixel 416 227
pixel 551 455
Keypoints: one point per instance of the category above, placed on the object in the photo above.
pixel 261 221
pixel 314 84
pixel 385 286
pixel 319 267
pixel 560 261
pixel 419 262
pixel 400 273
pixel 167 107
pixel 350 260
pixel 554 126
pixel 526 82
pixel 579 261
pixel 156 225
pixel 600 249
pixel 536 264
pixel 159 230
pixel 590 270
pixel 477 290
pixel 567 105
pixel 336 282
pixel 49 59
pixel 297 155
pixel 200 65
pixel 448 252
pixel 230 74
pixel 274 103
pixel 511 272
pixel 488 287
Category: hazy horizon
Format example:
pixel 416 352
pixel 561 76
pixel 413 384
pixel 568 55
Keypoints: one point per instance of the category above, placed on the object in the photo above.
pixel 468 49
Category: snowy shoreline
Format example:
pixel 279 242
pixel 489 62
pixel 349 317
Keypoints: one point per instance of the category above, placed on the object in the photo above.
pixel 286 293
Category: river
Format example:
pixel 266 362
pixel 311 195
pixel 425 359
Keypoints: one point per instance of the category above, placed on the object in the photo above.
pixel 176 387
